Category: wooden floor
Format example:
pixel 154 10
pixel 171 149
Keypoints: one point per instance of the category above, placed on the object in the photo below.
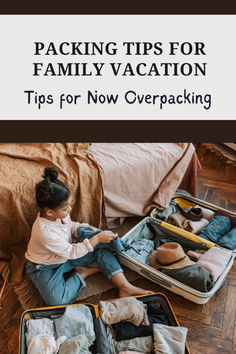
pixel 211 327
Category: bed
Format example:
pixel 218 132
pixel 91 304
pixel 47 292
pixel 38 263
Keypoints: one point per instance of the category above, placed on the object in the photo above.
pixel 109 181
pixel 139 176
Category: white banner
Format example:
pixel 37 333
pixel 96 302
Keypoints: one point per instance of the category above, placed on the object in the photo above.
pixel 117 67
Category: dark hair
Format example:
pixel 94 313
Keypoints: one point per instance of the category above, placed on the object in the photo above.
pixel 51 192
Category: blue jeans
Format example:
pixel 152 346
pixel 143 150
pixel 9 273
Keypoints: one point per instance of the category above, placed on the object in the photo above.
pixel 217 227
pixel 55 290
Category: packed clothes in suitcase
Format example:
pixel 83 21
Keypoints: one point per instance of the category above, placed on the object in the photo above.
pixel 178 260
pixel 200 219
pixel 144 324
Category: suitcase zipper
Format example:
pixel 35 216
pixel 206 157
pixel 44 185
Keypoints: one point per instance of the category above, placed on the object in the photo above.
pixel 155 278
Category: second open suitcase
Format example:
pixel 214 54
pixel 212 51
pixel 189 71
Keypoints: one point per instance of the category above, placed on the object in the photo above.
pixel 101 343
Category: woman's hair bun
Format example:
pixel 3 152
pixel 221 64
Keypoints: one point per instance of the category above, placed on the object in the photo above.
pixel 50 172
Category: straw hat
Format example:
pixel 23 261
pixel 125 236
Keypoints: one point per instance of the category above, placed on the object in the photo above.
pixel 170 256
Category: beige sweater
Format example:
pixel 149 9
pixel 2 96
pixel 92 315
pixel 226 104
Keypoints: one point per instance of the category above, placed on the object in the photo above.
pixel 51 241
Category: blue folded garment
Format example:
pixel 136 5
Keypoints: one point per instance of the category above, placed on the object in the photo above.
pixel 217 227
pixel 229 239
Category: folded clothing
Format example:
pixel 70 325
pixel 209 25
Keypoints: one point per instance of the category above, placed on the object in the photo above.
pixel 190 213
pixel 177 219
pixel 140 344
pixel 217 227
pixel 126 330
pixel 127 309
pixel 169 339
pixel 228 240
pixel 195 226
pixel 206 213
pixel 194 276
pixel 76 320
pixel 214 260
pixel 232 218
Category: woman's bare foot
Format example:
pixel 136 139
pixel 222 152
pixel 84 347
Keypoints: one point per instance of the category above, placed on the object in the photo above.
pixel 86 272
pixel 132 291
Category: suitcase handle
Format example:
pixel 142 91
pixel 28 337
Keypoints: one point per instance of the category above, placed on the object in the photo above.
pixel 155 278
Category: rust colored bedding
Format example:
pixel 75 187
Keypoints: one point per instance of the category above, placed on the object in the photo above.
pixel 21 166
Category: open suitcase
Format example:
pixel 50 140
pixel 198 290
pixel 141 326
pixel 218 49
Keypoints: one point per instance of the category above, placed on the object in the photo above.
pixel 101 344
pixel 151 228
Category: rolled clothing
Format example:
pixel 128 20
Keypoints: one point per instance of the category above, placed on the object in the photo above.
pixel 216 228
pixel 214 260
pixel 126 330
pixel 169 339
pixel 167 212
pixel 127 309
pixel 194 276
pixel 228 240
pixel 195 255
pixel 177 219
pixel 195 226
pixel 76 320
pixel 206 213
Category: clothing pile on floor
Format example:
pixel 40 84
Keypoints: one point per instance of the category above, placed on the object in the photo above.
pixel 127 324
pixel 216 226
